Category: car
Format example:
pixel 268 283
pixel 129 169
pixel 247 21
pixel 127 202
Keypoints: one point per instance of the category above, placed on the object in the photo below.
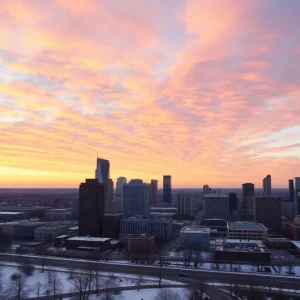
pixel 181 275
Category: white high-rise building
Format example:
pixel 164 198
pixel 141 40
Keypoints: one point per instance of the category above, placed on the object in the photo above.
pixel 184 205
pixel 120 183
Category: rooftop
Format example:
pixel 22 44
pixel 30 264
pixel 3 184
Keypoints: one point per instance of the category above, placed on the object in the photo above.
pixel 246 226
pixel 10 213
pixel 88 238
pixel 216 196
pixel 233 245
pixel 195 229
pixel 296 243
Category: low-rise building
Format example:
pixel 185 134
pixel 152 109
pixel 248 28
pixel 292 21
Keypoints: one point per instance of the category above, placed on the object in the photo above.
pixel 218 227
pixel 59 214
pixel 103 244
pixel 296 246
pixel 247 231
pixel 60 241
pixel 232 250
pixel 161 229
pixel 9 216
pixel 50 231
pixel 139 243
pixel 194 237
pixel 279 243
pixel 21 229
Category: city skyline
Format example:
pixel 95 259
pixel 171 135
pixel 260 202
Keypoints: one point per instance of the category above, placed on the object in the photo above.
pixel 206 91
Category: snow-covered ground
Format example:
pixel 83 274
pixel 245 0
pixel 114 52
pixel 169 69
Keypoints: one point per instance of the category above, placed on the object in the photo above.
pixel 146 294
pixel 65 283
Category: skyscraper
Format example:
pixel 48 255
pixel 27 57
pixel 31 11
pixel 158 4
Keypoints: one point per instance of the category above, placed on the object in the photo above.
pixel 267 210
pixel 136 198
pixel 291 191
pixel 153 191
pixel 205 190
pixel 233 202
pixel 297 193
pixel 267 186
pixel 184 205
pixel 102 170
pixel 120 183
pixel 110 190
pixel 248 194
pixel 91 207
pixel 167 190
pixel 103 174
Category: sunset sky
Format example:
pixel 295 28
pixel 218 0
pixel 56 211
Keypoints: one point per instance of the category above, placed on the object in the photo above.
pixel 206 91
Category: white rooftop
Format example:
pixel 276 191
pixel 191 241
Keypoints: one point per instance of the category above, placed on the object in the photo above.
pixel 216 196
pixel 194 229
pixel 11 213
pixel 88 238
pixel 296 243
pixel 245 225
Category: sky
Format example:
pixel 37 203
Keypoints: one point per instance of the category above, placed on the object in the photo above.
pixel 207 91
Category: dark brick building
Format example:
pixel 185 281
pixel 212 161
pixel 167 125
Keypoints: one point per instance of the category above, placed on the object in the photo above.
pixel 103 244
pixel 293 229
pixel 139 243
pixel 111 225
pixel 91 208
pixel 267 210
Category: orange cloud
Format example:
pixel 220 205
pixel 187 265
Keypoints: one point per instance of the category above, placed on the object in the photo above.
pixel 210 96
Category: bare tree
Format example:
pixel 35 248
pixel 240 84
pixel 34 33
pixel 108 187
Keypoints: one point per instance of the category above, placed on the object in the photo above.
pixel 140 280
pixel 18 288
pixel 108 284
pixel 27 269
pixel 1 278
pixel 54 283
pixel 194 294
pixel 80 281
pixel 167 294
pixel 71 272
pixel 38 288
pixel 196 258
pixel 291 269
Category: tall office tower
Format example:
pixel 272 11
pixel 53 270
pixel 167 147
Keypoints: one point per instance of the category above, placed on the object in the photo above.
pixel 110 190
pixel 102 174
pixel 102 170
pixel 184 205
pixel 233 202
pixel 91 207
pixel 248 194
pixel 153 191
pixel 205 190
pixel 267 210
pixel 120 183
pixel 291 190
pixel 267 186
pixel 297 193
pixel 136 198
pixel 167 190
